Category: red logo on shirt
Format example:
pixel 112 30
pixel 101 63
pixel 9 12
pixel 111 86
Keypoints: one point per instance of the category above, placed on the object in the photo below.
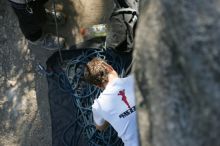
pixel 124 98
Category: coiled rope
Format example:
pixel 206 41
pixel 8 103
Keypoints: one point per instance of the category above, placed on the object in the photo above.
pixel 83 95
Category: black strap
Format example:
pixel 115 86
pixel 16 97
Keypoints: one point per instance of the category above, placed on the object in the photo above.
pixel 125 11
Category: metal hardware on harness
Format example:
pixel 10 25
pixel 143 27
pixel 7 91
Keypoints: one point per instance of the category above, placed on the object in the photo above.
pixel 42 71
pixel 28 8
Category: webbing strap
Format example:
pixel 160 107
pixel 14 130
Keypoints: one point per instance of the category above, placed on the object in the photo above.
pixel 125 11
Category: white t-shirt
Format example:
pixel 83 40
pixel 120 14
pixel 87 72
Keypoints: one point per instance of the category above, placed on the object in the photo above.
pixel 116 105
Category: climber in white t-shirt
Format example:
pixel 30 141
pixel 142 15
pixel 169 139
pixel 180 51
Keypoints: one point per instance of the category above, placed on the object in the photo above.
pixel 116 104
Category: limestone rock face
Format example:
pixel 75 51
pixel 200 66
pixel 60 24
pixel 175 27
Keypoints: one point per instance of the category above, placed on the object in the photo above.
pixel 177 68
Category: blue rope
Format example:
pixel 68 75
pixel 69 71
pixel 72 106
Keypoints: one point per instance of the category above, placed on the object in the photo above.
pixel 83 95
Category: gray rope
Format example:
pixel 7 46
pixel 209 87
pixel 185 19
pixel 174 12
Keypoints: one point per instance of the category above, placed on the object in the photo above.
pixel 57 33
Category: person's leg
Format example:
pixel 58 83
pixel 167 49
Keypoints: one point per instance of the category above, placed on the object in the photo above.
pixel 116 36
pixel 122 25
pixel 32 17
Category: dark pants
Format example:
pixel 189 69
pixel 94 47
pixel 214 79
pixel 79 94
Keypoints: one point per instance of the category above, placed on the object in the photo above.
pixel 121 33
pixel 121 29
pixel 31 23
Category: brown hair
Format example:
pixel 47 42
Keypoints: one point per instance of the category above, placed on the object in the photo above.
pixel 96 71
